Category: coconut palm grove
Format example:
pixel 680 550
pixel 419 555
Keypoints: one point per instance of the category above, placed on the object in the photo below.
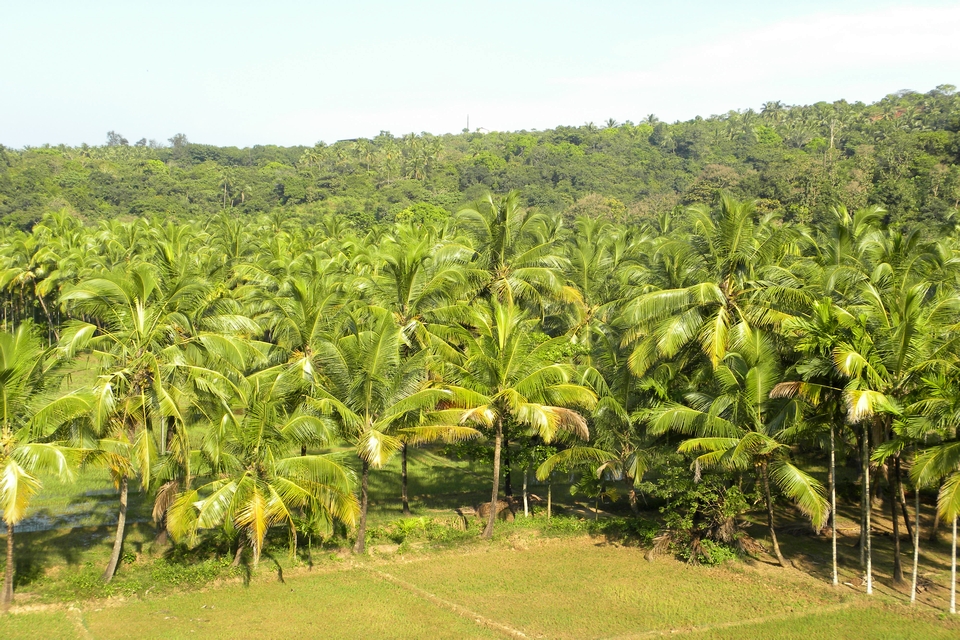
pixel 582 368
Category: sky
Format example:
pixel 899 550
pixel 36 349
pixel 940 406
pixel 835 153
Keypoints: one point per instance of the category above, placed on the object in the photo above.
pixel 298 72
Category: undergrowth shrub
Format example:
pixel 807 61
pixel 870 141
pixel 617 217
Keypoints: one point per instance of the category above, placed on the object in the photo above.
pixel 700 511
pixel 706 552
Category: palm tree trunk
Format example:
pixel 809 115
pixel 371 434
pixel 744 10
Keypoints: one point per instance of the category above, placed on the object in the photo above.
pixel 8 575
pixel 953 570
pixel 632 499
pixel 549 498
pixel 526 502
pixel 773 533
pixel 934 535
pixel 862 543
pixel 507 483
pixel 50 323
pixel 894 483
pixel 492 516
pixel 916 545
pixel 162 536
pixel 403 480
pixel 121 525
pixel 361 543
pixel 902 499
pixel 833 502
pixel 867 505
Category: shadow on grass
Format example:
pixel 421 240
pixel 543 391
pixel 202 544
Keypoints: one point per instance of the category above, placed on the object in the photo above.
pixel 810 553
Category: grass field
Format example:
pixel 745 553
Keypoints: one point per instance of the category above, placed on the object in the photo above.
pixel 521 585
pixel 425 578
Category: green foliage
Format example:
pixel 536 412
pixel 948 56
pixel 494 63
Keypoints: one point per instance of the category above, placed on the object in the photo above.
pixel 698 507
pixel 708 553
pixel 407 531
pixel 423 214
pixel 898 150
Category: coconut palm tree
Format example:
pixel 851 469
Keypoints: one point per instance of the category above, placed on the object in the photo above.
pixel 516 250
pixel 163 342
pixel 513 380
pixel 736 269
pixel 29 418
pixel 736 424
pixel 259 479
pixel 379 398
pixel 419 279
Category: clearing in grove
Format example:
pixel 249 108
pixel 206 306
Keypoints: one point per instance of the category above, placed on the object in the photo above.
pixel 523 584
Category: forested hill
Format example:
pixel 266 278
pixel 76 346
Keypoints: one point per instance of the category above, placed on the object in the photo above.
pixel 902 152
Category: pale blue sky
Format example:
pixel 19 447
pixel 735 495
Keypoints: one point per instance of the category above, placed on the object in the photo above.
pixel 285 72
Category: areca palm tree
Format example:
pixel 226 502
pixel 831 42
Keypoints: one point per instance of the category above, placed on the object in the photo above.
pixel 24 271
pixel 942 463
pixel 905 309
pixel 514 381
pixel 29 417
pixel 820 385
pixel 737 425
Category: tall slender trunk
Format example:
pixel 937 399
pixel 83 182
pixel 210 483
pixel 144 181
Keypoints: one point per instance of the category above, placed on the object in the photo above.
pixel 7 599
pixel 121 525
pixel 894 482
pixel 902 499
pixel 526 501
pixel 773 533
pixel 360 545
pixel 549 498
pixel 953 570
pixel 867 505
pixel 863 511
pixel 935 525
pixel 491 518
pixel 833 503
pixel 507 480
pixel 50 322
pixel 403 480
pixel 916 545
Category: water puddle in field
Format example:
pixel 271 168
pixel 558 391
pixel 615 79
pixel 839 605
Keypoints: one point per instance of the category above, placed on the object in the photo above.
pixel 95 508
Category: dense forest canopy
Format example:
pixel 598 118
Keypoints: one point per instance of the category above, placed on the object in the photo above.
pixel 901 152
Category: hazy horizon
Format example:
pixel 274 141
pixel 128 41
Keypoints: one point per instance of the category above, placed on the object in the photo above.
pixel 235 74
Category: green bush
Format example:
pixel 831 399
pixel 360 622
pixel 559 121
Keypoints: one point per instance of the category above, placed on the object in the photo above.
pixel 708 552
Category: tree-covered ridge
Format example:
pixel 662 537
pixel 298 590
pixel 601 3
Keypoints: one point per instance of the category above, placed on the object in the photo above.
pixel 901 151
